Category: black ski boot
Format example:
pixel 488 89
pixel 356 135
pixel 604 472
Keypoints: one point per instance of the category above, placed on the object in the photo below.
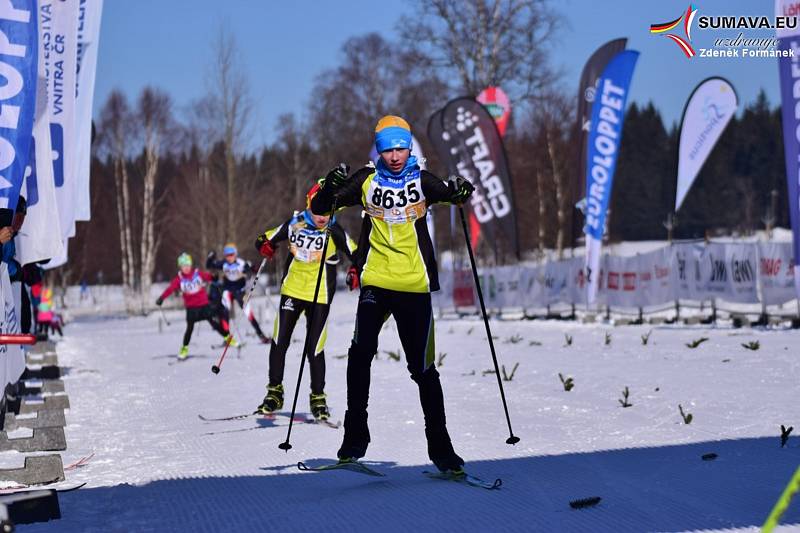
pixel 441 452
pixel 453 464
pixel 272 401
pixel 319 407
pixel 356 436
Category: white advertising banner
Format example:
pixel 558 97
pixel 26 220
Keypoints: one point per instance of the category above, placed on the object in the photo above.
pixel 501 287
pixel 687 280
pixel 531 286
pixel 708 111
pixel 556 282
pixel 728 271
pixel 58 37
pixel 89 13
pixel 576 292
pixel 655 278
pixel 40 236
pixel 732 272
pixel 776 272
pixel 621 281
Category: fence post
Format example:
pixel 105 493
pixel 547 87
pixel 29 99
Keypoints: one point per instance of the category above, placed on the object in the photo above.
pixel 764 318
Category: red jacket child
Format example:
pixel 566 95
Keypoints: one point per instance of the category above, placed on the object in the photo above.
pixel 192 284
pixel 192 287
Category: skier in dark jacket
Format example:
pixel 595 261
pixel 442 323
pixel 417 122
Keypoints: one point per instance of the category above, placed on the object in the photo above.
pixel 398 272
pixel 234 278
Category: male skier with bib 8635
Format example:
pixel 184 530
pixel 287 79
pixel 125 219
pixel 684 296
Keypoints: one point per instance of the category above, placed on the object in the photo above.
pixel 398 274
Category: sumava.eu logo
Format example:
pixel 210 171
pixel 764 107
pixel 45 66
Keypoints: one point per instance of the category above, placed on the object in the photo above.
pixel 672 29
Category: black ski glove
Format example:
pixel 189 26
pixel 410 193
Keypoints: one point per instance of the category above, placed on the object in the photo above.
pixel 460 190
pixel 159 301
pixel 336 178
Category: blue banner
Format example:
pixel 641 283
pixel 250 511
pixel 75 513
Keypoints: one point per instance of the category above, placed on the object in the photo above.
pixel 789 71
pixel 605 134
pixel 18 73
pixel 32 179
pixel 608 114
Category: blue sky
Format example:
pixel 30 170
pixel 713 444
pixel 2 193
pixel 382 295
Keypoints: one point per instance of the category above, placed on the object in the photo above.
pixel 285 45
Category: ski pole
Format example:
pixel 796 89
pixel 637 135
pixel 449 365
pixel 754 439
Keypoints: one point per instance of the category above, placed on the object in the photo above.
pixel 215 368
pixel 164 316
pixel 511 438
pixel 310 320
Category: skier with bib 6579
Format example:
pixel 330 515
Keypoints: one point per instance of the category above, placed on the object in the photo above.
pixel 306 235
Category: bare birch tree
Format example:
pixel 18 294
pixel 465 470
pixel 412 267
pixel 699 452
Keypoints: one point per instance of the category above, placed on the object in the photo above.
pixel 542 210
pixel 115 127
pixel 560 187
pixel 153 110
pixel 229 96
pixel 554 117
pixel 547 138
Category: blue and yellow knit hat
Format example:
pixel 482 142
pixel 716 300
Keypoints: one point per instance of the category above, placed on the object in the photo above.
pixel 392 132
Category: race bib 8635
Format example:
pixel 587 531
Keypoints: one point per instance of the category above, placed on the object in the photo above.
pixel 396 201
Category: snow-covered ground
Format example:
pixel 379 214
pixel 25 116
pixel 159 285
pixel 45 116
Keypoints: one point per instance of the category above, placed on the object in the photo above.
pixel 158 467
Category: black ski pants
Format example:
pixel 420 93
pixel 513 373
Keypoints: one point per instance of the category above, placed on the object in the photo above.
pixel 290 311
pixel 413 315
pixel 198 314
